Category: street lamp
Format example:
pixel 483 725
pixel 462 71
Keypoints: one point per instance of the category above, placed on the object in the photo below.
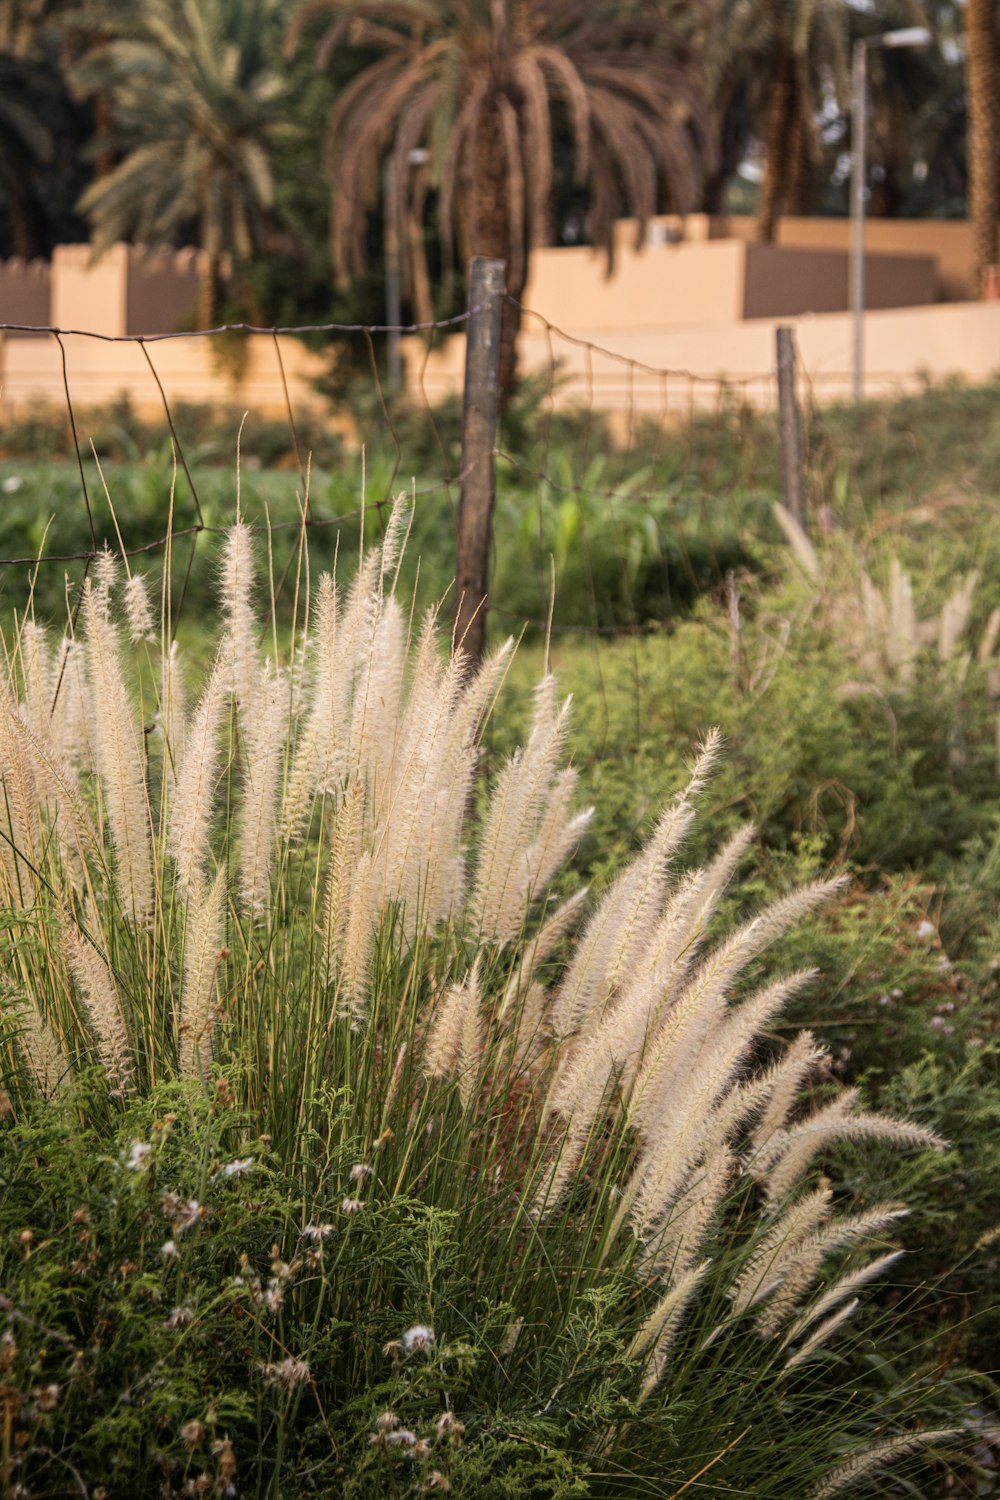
pixel 393 298
pixel 909 36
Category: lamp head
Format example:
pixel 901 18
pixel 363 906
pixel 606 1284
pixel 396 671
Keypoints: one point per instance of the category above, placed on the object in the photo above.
pixel 908 36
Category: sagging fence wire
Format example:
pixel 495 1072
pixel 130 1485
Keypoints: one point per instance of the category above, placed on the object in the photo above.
pixel 633 504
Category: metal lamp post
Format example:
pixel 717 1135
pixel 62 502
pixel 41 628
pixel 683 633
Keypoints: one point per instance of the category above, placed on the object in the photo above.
pixel 909 36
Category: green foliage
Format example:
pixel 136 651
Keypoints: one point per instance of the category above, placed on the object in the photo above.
pixel 141 1351
pixel 301 1079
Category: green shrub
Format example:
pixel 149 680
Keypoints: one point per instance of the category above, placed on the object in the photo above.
pixel 258 992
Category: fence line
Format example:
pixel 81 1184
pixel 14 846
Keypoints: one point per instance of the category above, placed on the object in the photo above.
pixel 623 471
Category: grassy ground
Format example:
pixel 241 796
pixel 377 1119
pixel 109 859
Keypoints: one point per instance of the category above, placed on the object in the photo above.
pixel 680 606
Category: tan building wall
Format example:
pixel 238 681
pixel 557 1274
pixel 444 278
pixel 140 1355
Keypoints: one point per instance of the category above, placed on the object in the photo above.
pixel 25 291
pixel 685 283
pixel 702 280
pixel 947 241
pixel 90 294
pixel 780 282
pixel 705 305
pixel 669 372
pixel 127 293
pixel 161 290
pixel 190 369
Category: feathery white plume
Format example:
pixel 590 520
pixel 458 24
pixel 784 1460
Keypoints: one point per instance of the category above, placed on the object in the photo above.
pixel 202 944
pixel 121 761
pixel 197 772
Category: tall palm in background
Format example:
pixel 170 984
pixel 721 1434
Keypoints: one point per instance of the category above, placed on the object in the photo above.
pixel 788 63
pixel 911 91
pixel 782 57
pixel 982 71
pixel 195 108
pixel 39 126
pixel 483 87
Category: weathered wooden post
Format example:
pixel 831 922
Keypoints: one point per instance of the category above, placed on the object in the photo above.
pixel 478 483
pixel 790 427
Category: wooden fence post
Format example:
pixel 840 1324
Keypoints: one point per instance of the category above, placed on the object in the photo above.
pixel 479 424
pixel 790 427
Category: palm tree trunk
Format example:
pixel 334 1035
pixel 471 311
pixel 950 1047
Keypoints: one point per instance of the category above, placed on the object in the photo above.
pixel 800 175
pixel 982 67
pixel 776 145
pixel 25 240
pixel 208 291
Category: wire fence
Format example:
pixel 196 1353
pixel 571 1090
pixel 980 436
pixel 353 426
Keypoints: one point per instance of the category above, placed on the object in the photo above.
pixel 629 488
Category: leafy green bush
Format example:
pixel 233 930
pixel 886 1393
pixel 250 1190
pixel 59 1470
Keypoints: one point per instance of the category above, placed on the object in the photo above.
pixel 413 1154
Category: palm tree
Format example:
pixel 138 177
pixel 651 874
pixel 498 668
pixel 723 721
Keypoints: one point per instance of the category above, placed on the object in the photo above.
pixel 788 61
pixel 777 58
pixel 195 107
pixel 27 147
pixel 482 88
pixel 982 66
pixel 40 127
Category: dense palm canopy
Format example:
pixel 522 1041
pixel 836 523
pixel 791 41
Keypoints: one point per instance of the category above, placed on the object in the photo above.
pixel 492 126
pixel 484 88
pixel 195 107
pixel 39 127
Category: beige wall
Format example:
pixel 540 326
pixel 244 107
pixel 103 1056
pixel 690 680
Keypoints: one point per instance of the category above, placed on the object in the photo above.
pixel 668 372
pixel 90 294
pixel 161 290
pixel 25 288
pixel 660 284
pixel 128 291
pixel 949 241
pixel 31 370
pixel 706 280
pixel 779 281
pixel 706 305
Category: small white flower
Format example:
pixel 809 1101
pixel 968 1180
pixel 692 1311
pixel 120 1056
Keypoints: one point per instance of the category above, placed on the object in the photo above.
pixel 12 484
pixel 402 1436
pixel 168 1249
pixel 317 1232
pixel 448 1425
pixel 139 1155
pixel 351 1206
pixel 359 1172
pixel 417 1337
pixel 47 1396
pixel 180 1316
pixel 289 1373
pixel 241 1167
pixel 188 1214
pixel 925 929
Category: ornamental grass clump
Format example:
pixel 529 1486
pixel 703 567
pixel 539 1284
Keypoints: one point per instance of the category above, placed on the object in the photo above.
pixel 554 1177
